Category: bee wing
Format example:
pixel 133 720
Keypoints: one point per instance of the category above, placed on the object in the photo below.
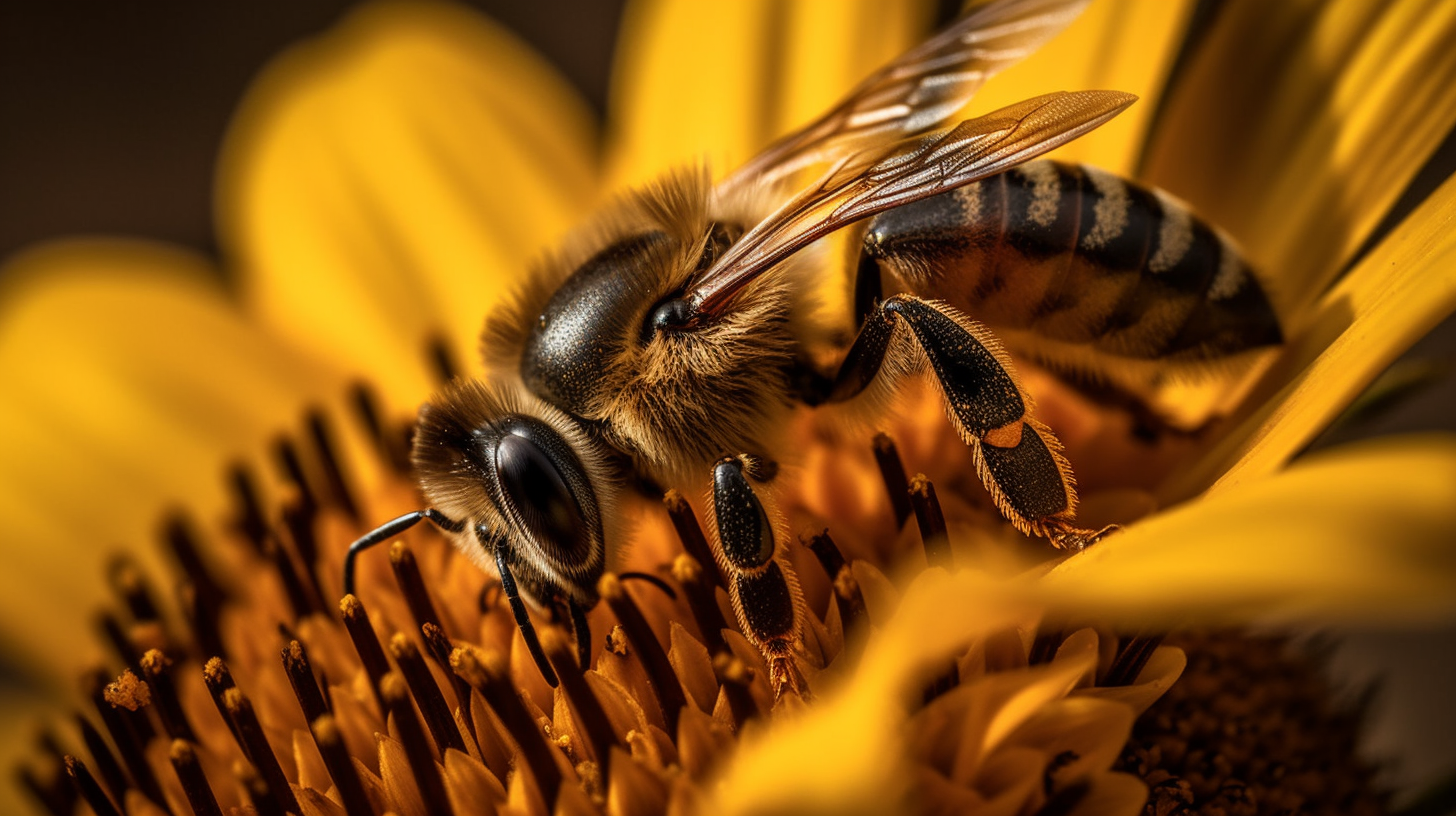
pixel 863 184
pixel 918 91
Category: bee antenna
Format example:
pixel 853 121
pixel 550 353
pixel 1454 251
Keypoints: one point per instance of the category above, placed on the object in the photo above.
pixel 390 529
pixel 651 579
pixel 518 609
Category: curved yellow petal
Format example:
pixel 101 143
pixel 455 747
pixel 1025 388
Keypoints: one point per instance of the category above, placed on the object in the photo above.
pixel 1115 45
pixel 1362 533
pixel 1298 124
pixel 718 81
pixel 391 179
pixel 130 382
pixel 1394 296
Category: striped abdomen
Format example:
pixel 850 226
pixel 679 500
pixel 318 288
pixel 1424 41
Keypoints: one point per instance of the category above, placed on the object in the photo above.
pixel 1077 256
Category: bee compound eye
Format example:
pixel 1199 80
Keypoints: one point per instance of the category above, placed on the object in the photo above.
pixel 544 488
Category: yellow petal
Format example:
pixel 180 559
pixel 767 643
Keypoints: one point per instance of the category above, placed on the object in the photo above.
pixel 1392 298
pixel 1115 45
pixel 1361 533
pixel 719 81
pixel 390 180
pixel 130 382
pixel 1298 124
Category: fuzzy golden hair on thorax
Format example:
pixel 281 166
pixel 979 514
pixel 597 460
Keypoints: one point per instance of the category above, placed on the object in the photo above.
pixel 675 401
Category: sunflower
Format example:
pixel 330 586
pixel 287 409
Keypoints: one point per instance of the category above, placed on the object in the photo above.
pixel 384 186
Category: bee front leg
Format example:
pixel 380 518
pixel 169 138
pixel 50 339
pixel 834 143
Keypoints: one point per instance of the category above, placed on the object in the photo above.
pixel 764 592
pixel 1018 459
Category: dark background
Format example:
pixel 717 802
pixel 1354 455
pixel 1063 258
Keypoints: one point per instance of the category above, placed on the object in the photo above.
pixel 111 114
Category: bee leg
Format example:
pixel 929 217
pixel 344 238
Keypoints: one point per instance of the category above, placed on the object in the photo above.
pixel 390 529
pixel 765 594
pixel 1018 459
pixel 518 609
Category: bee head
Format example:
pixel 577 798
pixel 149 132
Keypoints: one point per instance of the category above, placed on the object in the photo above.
pixel 525 475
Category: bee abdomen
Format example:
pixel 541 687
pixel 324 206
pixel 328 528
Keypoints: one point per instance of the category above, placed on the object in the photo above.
pixel 1074 254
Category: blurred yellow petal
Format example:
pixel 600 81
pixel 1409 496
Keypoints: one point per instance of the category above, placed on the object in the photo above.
pixel 1362 533
pixel 719 81
pixel 391 179
pixel 1392 298
pixel 1115 45
pixel 131 381
pixel 1297 125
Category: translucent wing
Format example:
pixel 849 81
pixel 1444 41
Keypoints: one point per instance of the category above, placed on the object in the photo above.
pixel 863 184
pixel 918 91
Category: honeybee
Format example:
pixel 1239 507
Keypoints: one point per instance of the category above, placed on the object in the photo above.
pixel 668 344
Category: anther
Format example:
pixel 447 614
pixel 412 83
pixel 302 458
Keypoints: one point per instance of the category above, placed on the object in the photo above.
pixel 302 597
pixel 440 648
pixel 416 748
pixel 735 677
pixel 293 471
pixel 486 672
pixel 412 585
pixel 300 675
pixel 129 733
pixel 129 584
pixel 249 520
pixel 933 535
pixel 892 473
pixel 154 666
pixel 386 442
pixel 323 444
pixel 112 631
pixel 649 651
pixel 690 533
pixel 88 789
pixel 366 643
pixel 702 600
pixel 340 765
pixel 847 595
pixel 218 679
pixel 443 359
pixel 585 707
pixel 255 746
pixel 426 693
pixel 194 781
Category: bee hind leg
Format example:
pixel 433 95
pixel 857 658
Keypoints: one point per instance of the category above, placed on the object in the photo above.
pixel 762 587
pixel 1018 459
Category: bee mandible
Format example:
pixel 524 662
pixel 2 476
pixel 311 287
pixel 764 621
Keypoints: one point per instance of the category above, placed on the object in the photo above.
pixel 669 344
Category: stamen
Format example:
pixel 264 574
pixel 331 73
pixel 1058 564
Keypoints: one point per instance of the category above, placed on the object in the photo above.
pixel 735 677
pixel 928 515
pixel 194 782
pixel 847 594
pixel 58 798
pixel 427 694
pixel 106 763
pixel 335 753
pixel 1131 659
pixel 690 533
pixel 702 600
pixel 386 443
pixel 129 584
pixel 293 471
pixel 440 648
pixel 206 597
pixel 649 652
pixel 249 521
pixel 300 675
pixel 416 749
pixel 366 643
pixel 129 734
pixel 1045 646
pixel 112 631
pixel 300 597
pixel 485 670
pixel 585 706
pixel 323 444
pixel 298 520
pixel 255 746
pixel 407 575
pixel 443 359
pixel 87 787
pixel 218 679
pixel 154 667
pixel 258 793
pixel 200 610
pixel 892 473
